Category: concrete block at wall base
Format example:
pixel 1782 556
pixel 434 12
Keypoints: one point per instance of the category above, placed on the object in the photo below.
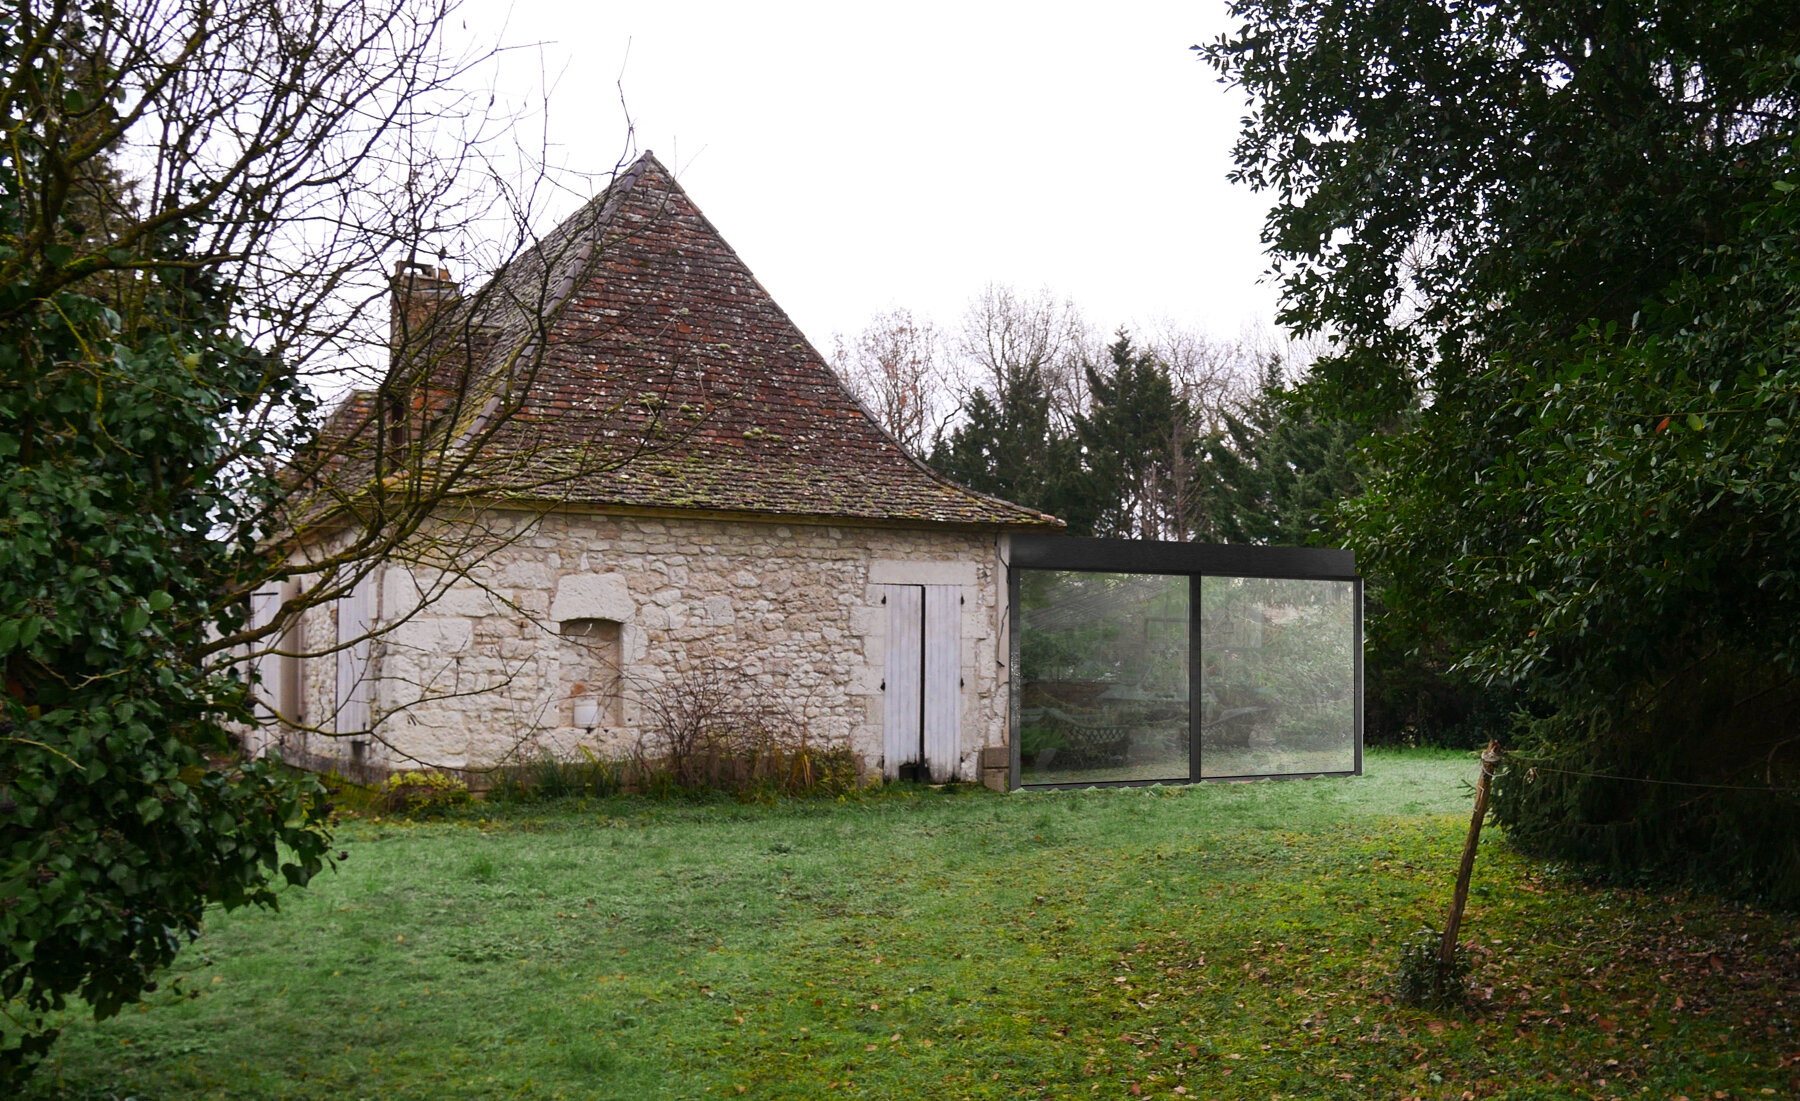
pixel 996 756
pixel 997 779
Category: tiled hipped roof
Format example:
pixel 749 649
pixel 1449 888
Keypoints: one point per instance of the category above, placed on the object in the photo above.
pixel 663 376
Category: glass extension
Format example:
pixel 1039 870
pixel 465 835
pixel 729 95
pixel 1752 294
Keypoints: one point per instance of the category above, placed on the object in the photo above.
pixel 1143 663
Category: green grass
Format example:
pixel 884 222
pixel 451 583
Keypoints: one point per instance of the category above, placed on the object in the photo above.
pixel 1232 940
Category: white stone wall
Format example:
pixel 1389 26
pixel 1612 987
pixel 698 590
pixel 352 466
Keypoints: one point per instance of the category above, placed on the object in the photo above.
pixel 475 667
pixel 310 732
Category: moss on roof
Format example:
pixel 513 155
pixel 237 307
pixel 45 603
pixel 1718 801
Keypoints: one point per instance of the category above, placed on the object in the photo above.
pixel 652 370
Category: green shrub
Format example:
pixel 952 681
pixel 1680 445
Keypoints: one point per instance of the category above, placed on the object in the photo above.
pixel 1694 781
pixel 1034 740
pixel 1424 979
pixel 548 776
pixel 349 798
pixel 422 794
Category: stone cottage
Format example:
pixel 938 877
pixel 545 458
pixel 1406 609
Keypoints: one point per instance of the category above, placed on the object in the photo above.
pixel 682 483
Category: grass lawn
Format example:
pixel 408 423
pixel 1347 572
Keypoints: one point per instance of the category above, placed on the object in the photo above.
pixel 1218 941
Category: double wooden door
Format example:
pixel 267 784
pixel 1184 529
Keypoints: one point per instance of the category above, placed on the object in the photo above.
pixel 922 689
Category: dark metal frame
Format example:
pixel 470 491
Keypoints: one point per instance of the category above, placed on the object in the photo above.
pixel 1191 560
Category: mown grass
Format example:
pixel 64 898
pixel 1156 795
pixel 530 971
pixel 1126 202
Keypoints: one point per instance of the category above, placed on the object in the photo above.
pixel 1221 941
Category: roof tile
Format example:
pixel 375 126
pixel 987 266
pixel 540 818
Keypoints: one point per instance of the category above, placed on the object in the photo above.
pixel 666 377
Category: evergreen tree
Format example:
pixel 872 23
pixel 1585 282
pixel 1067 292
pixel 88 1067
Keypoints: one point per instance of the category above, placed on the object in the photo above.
pixel 1280 467
pixel 1010 448
pixel 1136 447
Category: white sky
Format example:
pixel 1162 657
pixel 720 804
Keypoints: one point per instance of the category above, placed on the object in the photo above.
pixel 861 157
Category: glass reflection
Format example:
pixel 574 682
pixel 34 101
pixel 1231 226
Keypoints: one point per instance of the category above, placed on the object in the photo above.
pixel 1278 676
pixel 1103 664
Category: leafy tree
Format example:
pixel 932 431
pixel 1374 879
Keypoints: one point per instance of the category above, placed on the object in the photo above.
pixel 1280 472
pixel 198 206
pixel 121 814
pixel 1569 229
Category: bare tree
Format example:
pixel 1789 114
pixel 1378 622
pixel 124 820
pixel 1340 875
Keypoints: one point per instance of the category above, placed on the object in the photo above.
pixel 203 203
pixel 327 166
pixel 1209 373
pixel 714 725
pixel 1006 335
pixel 894 368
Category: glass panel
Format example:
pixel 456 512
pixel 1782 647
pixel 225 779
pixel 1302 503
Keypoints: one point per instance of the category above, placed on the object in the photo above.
pixel 1278 676
pixel 1103 668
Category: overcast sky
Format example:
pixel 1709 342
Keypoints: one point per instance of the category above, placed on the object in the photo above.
pixel 862 157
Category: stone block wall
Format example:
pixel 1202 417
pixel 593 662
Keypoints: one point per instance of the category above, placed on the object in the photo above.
pixel 480 665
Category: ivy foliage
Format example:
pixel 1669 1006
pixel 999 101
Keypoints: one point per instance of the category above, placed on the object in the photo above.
pixel 123 812
pixel 1567 232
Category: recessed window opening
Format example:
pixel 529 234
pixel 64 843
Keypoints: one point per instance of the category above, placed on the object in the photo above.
pixel 593 651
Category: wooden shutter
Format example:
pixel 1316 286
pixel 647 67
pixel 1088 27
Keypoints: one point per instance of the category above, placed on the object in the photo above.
pixel 902 692
pixel 353 659
pixel 264 603
pixel 943 681
pixel 291 701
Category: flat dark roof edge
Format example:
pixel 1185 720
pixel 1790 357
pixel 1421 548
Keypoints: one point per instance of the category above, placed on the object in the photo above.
pixel 1074 552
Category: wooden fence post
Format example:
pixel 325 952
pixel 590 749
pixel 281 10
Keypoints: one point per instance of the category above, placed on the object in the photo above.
pixel 1447 949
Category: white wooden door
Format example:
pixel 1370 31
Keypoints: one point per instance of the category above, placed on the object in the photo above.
pixel 922 686
pixel 903 695
pixel 942 723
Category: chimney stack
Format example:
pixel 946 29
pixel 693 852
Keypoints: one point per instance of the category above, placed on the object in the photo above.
pixel 419 292
pixel 415 391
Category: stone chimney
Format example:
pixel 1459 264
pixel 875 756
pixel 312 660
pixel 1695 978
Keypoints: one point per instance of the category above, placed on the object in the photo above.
pixel 419 292
pixel 417 390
